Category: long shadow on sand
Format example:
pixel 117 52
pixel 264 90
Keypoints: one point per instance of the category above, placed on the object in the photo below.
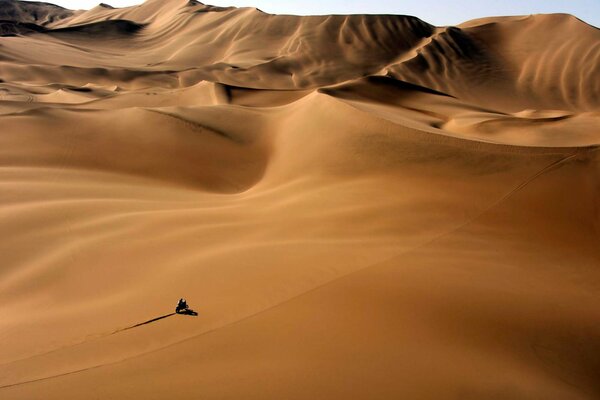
pixel 183 312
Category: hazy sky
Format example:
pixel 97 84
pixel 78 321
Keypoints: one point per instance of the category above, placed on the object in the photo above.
pixel 438 12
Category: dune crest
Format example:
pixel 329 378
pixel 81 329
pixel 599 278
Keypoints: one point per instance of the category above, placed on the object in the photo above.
pixel 358 207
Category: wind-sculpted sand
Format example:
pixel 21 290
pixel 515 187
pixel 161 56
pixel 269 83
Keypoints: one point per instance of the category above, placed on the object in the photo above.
pixel 359 207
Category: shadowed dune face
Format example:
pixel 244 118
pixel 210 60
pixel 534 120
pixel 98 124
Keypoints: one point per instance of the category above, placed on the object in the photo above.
pixel 32 12
pixel 357 206
pixel 524 65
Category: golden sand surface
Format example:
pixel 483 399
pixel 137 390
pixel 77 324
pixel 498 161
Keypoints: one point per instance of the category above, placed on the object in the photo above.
pixel 359 207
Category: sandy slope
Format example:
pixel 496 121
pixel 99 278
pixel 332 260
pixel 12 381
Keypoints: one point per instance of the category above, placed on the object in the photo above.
pixel 362 207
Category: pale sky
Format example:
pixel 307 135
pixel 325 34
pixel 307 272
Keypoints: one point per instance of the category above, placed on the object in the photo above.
pixel 437 12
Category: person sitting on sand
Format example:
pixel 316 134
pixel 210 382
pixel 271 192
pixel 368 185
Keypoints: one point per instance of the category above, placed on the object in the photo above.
pixel 181 306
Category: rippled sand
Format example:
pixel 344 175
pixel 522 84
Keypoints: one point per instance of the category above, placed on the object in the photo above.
pixel 359 207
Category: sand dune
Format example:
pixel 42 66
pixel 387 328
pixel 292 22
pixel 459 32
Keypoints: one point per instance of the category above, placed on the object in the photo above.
pixel 358 207
pixel 32 12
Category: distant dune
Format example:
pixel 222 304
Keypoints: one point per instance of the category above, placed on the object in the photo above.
pixel 358 207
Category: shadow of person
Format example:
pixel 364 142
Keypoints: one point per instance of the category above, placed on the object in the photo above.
pixel 188 311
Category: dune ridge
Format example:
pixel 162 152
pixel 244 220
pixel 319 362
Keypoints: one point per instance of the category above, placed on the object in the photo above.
pixel 359 207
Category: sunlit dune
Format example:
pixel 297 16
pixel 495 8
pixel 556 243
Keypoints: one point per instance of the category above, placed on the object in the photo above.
pixel 358 207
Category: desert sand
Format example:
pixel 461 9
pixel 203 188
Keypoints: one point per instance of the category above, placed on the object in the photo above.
pixel 359 207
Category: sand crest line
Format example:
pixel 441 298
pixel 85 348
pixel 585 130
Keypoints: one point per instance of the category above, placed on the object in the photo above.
pixel 90 338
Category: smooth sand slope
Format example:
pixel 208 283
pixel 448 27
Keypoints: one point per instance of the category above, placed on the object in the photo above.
pixel 359 207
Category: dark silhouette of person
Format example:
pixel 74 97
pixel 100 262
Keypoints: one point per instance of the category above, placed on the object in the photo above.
pixel 181 306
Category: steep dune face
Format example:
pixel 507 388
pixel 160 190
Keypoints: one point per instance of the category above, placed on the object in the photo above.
pixel 20 17
pixel 516 57
pixel 202 42
pixel 358 206
pixel 32 12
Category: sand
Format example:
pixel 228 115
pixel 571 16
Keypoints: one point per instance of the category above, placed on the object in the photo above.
pixel 359 207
